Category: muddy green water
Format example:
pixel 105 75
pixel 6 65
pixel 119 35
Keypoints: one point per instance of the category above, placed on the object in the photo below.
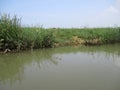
pixel 65 68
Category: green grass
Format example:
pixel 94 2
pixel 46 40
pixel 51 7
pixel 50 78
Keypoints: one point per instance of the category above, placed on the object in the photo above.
pixel 15 37
pixel 104 35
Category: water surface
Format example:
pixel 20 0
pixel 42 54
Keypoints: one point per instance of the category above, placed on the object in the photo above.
pixel 65 68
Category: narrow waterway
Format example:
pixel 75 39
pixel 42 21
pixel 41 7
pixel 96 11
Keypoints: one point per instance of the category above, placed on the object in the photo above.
pixel 64 68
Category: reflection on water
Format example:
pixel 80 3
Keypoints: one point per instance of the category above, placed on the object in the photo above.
pixel 66 68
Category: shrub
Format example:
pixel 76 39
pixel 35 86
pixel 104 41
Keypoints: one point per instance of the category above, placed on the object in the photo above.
pixel 9 31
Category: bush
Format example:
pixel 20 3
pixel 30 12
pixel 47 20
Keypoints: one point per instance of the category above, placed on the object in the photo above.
pixel 9 31
pixel 13 36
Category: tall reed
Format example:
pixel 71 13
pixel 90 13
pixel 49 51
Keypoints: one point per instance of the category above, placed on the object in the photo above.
pixel 9 31
pixel 13 36
pixel 89 35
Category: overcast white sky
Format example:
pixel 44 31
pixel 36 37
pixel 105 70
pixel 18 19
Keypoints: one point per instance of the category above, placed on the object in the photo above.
pixel 64 13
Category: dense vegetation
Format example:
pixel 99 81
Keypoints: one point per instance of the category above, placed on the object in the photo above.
pixel 87 36
pixel 15 37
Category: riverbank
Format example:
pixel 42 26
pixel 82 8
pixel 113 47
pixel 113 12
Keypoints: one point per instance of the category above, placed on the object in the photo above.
pixel 14 37
pixel 86 36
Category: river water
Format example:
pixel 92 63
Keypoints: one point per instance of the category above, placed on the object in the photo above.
pixel 64 68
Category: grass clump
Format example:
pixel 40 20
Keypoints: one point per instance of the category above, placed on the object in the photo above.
pixel 36 38
pixel 9 31
pixel 15 37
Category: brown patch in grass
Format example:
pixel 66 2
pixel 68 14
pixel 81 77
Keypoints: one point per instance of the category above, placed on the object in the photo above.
pixel 96 41
pixel 77 41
